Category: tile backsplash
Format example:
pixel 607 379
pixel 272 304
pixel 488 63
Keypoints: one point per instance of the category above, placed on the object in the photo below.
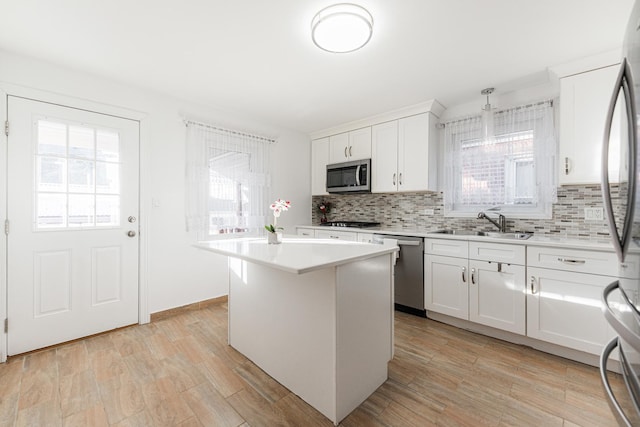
pixel 412 211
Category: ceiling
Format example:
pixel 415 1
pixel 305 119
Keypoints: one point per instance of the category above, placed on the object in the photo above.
pixel 256 57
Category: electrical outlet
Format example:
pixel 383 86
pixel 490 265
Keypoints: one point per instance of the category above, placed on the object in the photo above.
pixel 428 211
pixel 593 214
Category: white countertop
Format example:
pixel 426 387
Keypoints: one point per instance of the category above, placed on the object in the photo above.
pixel 296 254
pixel 550 241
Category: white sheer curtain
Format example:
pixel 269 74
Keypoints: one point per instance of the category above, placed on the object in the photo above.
pixel 513 172
pixel 227 181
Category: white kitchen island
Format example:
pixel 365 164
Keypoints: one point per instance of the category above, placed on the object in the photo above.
pixel 315 314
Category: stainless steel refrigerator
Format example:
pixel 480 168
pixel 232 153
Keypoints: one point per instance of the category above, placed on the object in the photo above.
pixel 620 196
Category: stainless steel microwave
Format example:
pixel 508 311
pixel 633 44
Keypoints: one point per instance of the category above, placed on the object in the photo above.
pixel 349 177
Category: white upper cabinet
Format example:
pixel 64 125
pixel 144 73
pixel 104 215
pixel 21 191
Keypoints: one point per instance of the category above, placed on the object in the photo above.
pixel 353 145
pixel 384 157
pixel 404 155
pixel 319 161
pixel 584 101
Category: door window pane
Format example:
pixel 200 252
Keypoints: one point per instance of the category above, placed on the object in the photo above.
pixel 52 138
pixel 81 176
pixel 51 210
pixel 108 210
pixel 107 178
pixel 51 174
pixel 81 143
pixel 107 146
pixel 81 210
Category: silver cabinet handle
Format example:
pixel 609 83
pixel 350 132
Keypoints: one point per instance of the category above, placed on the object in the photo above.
pixel 604 358
pixel 625 82
pixel 464 278
pixel 571 261
pixel 400 178
pixel 533 282
pixel 345 151
pixel 408 243
pixel 350 147
pixel 394 179
pixel 473 276
pixel 566 166
pixel 131 233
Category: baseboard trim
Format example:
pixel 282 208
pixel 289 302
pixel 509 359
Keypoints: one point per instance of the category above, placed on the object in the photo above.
pixel 164 314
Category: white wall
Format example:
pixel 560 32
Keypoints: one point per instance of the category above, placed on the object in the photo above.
pixel 177 274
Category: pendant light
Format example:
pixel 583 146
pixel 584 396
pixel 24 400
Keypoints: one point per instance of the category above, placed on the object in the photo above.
pixel 342 28
pixel 488 130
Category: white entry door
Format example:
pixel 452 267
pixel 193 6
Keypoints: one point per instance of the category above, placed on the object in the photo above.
pixel 72 202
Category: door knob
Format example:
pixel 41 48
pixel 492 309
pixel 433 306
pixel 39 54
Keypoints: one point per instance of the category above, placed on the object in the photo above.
pixel 131 233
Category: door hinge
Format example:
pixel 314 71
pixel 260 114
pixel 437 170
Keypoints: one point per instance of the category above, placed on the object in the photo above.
pixel 6 325
pixel 6 127
pixel 6 227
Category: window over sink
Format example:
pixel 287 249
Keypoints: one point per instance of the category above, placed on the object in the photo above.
pixel 512 172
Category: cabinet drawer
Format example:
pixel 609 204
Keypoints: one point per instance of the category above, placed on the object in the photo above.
pixel 498 252
pixel 340 235
pixel 593 262
pixel 456 248
pixel 306 232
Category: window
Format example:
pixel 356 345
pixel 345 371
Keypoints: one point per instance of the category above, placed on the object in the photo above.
pixel 77 176
pixel 513 172
pixel 228 182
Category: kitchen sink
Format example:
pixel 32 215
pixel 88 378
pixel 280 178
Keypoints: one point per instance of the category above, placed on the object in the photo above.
pixel 495 234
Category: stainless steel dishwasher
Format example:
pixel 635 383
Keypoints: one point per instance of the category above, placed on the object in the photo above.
pixel 409 273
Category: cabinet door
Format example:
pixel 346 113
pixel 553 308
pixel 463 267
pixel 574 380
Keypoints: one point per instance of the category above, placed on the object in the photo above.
pixel 384 157
pixel 417 153
pixel 319 161
pixel 339 235
pixel 339 148
pixel 445 286
pixel 565 308
pixel 360 144
pixel 497 298
pixel 584 99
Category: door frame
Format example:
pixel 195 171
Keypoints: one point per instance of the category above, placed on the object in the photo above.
pixel 8 89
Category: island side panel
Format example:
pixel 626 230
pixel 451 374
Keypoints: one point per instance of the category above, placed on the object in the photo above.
pixel 285 323
pixel 364 329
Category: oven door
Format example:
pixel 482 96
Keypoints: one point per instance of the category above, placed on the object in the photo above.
pixel 624 317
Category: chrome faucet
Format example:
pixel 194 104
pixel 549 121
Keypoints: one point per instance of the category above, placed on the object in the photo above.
pixel 501 223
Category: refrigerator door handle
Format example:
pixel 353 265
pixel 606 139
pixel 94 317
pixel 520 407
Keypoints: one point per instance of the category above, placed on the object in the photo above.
pixel 604 358
pixel 621 329
pixel 624 82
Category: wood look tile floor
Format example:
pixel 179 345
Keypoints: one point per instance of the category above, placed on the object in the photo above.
pixel 180 371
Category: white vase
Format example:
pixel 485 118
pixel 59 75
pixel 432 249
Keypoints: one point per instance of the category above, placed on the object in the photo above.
pixel 274 238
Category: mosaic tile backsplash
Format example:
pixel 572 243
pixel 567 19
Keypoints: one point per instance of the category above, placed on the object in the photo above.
pixel 406 210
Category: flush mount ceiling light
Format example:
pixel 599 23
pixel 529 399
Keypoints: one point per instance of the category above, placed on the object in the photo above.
pixel 342 28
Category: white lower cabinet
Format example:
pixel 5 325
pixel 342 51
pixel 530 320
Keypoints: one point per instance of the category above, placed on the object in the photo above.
pixel 446 285
pixel 564 308
pixel 497 295
pixel 489 290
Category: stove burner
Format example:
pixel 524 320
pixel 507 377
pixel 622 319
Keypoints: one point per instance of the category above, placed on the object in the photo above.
pixel 351 224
